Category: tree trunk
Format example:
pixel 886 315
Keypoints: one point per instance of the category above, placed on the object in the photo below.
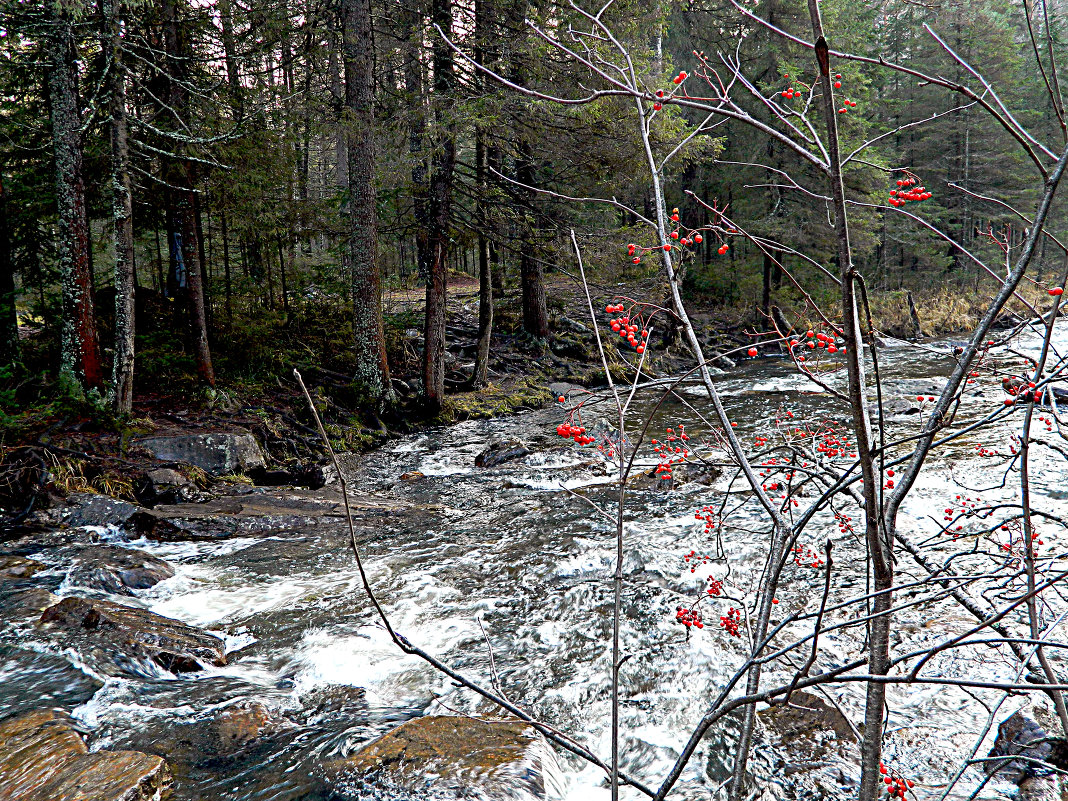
pixel 179 177
pixel 80 353
pixel 531 275
pixel 9 323
pixel 480 376
pixel 226 261
pixel 372 370
pixel 282 276
pixel 439 213
pixel 122 369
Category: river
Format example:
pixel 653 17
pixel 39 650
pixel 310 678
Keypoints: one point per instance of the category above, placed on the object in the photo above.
pixel 507 559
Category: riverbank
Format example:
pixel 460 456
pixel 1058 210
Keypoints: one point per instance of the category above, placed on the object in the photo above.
pixel 52 444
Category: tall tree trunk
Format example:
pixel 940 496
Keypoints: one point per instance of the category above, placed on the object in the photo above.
pixel 226 261
pixel 80 352
pixel 282 276
pixel 531 275
pixel 122 369
pixel 179 176
pixel 439 202
pixel 480 376
pixel 372 370
pixel 9 322
pixel 233 79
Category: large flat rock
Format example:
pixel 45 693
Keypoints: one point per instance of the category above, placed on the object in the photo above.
pixel 131 631
pixel 259 513
pixel 461 757
pixel 43 758
pixel 218 453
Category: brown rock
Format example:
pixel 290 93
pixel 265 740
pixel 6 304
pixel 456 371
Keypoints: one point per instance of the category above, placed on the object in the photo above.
pixel 43 758
pixel 171 643
pixel 809 725
pixel 237 726
pixel 18 567
pixel 461 755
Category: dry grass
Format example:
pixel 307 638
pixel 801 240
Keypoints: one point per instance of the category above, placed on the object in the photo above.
pixel 942 311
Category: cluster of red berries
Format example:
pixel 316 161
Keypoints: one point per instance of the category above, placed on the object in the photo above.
pixel 817 339
pixel 693 559
pixel 890 479
pixel 677 80
pixel 806 557
pixel 845 523
pixel 688 617
pixel 670 451
pixel 795 89
pixel 695 238
pixel 896 785
pixel 715 587
pixel 1047 420
pixel 731 621
pixel 577 433
pixel 1021 391
pixel 628 329
pixel 710 517
pixel 908 191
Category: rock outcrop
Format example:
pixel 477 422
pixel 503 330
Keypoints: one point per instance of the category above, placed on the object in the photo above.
pixel 218 453
pixel 44 758
pixel 460 757
pixel 133 632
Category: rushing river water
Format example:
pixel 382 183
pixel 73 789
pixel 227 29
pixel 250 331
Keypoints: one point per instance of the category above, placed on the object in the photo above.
pixel 507 558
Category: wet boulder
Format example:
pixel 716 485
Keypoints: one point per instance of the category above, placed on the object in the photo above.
pixel 44 758
pixel 809 726
pixel 454 757
pixel 119 571
pixel 1022 735
pixel 134 632
pixel 164 485
pixel 501 451
pixel 91 509
pixel 218 453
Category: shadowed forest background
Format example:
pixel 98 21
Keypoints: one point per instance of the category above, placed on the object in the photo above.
pixel 330 186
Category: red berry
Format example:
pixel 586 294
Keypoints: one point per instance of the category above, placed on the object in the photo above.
pixel 1057 291
pixel 752 351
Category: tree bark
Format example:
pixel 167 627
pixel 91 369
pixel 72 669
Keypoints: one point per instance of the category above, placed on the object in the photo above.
pixel 182 207
pixel 80 352
pixel 122 369
pixel 531 275
pixel 439 213
pixel 372 369
pixel 9 323
pixel 480 376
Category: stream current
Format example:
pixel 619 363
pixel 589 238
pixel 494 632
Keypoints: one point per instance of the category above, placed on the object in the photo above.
pixel 506 559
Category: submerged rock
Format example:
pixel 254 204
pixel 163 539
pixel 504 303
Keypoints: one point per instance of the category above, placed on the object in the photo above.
pixel 238 726
pixel 119 571
pixel 501 451
pixel 18 567
pixel 810 726
pixel 219 453
pixel 459 757
pixel 138 633
pixel 43 758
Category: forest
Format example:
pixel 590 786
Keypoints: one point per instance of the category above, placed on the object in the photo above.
pixel 515 399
